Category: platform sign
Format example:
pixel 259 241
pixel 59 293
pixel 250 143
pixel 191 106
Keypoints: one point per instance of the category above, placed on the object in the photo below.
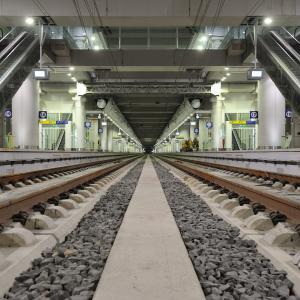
pixel 87 124
pixel 43 114
pixel 61 122
pixel 196 130
pixel 100 130
pixel 209 124
pixel 254 114
pixel 197 116
pixel 288 114
pixel 8 113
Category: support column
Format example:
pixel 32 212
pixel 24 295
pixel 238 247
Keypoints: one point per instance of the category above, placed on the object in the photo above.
pixel 203 135
pixel 25 121
pixel 271 106
pixel 78 120
pixel 104 138
pixel 217 123
pixel 110 130
pixel 228 135
pixel 192 133
pixel 68 136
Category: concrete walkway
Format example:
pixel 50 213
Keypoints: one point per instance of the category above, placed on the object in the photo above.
pixel 148 260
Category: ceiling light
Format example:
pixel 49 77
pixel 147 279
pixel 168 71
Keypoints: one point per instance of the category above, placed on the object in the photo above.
pixel 226 68
pixel 69 74
pixel 204 38
pixel 93 38
pixel 29 20
pixel 71 68
pixel 73 78
pixel 227 74
pixel 223 78
pixel 268 21
pixel 200 48
pixel 96 48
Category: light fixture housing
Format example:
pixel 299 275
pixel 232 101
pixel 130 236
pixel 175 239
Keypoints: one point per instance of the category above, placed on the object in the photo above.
pixel 101 103
pixel 196 103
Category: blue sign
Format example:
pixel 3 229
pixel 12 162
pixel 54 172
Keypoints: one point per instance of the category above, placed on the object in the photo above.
pixel 61 122
pixel 43 114
pixel 100 130
pixel 8 113
pixel 254 114
pixel 209 124
pixel 250 122
pixel 288 114
pixel 196 130
pixel 87 124
pixel 197 116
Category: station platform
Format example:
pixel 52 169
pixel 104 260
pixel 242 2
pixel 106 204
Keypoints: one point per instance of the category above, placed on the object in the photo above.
pixel 148 259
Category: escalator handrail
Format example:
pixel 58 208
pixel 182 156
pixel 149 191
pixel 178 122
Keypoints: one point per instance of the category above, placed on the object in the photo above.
pixel 279 61
pixel 289 35
pixel 8 73
pixel 8 34
pixel 286 45
pixel 12 45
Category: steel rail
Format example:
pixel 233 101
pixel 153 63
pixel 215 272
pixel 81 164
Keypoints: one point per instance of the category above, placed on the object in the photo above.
pixel 275 203
pixel 11 179
pixel 27 200
pixel 292 179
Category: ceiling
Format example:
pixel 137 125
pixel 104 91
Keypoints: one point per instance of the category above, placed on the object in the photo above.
pixel 148 13
pixel 147 114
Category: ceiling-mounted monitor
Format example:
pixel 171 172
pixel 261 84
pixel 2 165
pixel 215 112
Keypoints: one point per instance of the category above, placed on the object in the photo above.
pixel 40 74
pixel 255 74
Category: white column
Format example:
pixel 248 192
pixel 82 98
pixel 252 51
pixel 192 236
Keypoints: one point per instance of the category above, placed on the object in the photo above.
pixel 271 106
pixel 25 121
pixel 203 135
pixel 217 123
pixel 110 130
pixel 104 138
pixel 192 133
pixel 228 135
pixel 68 136
pixel 79 119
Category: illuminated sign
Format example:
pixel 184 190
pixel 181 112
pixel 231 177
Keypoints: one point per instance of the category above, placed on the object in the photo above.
pixel 243 122
pixel 255 74
pixel 41 74
pixel 53 122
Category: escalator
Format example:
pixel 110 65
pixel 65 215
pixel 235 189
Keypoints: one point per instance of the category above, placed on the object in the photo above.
pixel 278 52
pixel 19 52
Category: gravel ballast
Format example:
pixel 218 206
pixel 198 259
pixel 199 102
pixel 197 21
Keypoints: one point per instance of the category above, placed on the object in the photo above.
pixel 228 267
pixel 72 269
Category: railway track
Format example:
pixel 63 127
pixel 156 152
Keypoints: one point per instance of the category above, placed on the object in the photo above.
pixel 21 192
pixel 285 178
pixel 287 204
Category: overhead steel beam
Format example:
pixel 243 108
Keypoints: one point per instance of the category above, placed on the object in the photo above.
pixel 150 57
pixel 145 89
